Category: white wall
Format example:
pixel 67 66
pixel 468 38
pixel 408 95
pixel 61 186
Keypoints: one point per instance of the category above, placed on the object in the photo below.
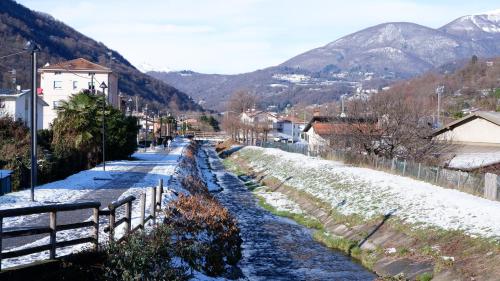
pixel 19 108
pixel 70 83
pixel 477 131
pixel 297 130
pixel 314 140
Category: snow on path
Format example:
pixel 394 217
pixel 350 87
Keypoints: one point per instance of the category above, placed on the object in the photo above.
pixel 77 186
pixel 372 193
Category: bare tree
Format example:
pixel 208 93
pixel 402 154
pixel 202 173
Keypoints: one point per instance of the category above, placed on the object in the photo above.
pixel 241 101
pixel 393 124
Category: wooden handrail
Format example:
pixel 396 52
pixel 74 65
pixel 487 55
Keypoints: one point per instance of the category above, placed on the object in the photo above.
pixel 52 228
pixel 48 208
pixel 118 203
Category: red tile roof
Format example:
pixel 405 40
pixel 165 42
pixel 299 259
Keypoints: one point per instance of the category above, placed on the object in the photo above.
pixel 330 129
pixel 76 65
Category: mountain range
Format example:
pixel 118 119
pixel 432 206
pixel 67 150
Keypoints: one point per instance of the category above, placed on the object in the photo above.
pixel 59 42
pixel 364 61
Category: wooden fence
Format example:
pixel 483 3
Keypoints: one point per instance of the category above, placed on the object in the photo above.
pixel 52 228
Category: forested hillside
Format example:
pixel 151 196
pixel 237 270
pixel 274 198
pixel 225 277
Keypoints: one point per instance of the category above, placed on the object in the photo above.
pixel 59 42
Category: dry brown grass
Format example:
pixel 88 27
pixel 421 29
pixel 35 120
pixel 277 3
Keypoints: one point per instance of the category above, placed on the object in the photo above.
pixel 207 236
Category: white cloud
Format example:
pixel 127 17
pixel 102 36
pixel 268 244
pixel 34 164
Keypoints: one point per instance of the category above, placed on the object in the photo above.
pixel 228 36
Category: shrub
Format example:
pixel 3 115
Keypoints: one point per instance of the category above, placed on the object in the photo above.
pixel 144 257
pixel 207 236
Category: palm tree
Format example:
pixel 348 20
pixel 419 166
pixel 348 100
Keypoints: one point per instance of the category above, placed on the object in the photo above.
pixel 77 129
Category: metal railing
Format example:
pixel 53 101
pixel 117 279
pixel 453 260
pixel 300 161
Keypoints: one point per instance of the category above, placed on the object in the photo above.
pixel 469 182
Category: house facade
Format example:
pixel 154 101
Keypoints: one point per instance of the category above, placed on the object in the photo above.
pixel 318 132
pixel 340 132
pixel 478 128
pixel 254 117
pixel 17 105
pixel 473 142
pixel 59 81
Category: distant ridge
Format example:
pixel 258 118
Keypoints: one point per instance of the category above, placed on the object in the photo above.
pixel 366 60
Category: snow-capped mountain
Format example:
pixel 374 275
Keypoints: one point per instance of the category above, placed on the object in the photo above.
pixel 364 61
pixel 395 49
pixel 145 67
pixel 475 26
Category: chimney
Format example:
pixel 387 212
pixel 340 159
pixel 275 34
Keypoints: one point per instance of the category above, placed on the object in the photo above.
pixel 316 112
pixel 18 89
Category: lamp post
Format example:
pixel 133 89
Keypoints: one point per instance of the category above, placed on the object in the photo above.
pixel 33 48
pixel 103 86
pixel 146 135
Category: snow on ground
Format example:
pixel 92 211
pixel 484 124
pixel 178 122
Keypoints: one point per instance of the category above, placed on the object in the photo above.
pixel 279 201
pixel 373 193
pixel 77 185
pixel 473 160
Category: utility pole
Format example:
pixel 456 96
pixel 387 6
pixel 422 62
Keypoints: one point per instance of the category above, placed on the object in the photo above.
pixel 439 91
pixel 342 114
pixel 103 86
pixel 92 87
pixel 33 118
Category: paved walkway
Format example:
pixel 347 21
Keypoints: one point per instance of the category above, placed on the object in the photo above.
pixel 107 193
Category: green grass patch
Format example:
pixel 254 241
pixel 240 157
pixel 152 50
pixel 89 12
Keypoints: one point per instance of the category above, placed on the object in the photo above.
pixel 306 221
pixel 425 277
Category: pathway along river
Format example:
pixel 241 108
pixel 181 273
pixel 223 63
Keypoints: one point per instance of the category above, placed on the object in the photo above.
pixel 276 248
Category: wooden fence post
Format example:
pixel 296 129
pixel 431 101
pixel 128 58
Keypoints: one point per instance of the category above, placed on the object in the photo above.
pixel 96 228
pixel 152 209
pixel 159 193
pixel 128 217
pixel 1 231
pixel 112 217
pixel 404 167
pixel 437 174
pixel 459 176
pixel 53 230
pixel 142 207
pixel 418 173
pixel 393 164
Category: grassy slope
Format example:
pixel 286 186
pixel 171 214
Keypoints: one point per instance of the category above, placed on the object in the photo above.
pixel 426 243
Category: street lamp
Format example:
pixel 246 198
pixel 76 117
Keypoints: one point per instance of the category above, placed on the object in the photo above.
pixel 103 86
pixel 33 48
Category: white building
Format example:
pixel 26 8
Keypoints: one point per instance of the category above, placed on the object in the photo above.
pixel 474 141
pixel 59 81
pixel 288 128
pixel 254 117
pixel 17 104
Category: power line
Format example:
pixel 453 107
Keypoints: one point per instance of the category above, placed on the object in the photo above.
pixel 14 54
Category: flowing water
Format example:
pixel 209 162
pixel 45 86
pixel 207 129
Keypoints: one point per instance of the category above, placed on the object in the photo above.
pixel 276 248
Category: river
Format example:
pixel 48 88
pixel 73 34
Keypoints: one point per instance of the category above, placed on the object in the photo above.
pixel 276 248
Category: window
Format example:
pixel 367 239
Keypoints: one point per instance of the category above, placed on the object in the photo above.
pixel 57 85
pixel 56 104
pixel 57 73
pixel 75 85
pixel 2 103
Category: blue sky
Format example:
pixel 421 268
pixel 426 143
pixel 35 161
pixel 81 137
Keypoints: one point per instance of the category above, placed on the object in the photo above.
pixel 234 36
